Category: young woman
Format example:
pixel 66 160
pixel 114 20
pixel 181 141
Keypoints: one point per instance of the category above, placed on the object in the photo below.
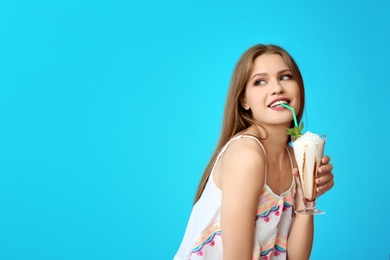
pixel 244 207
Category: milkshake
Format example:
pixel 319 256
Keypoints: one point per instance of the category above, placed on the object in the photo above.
pixel 308 150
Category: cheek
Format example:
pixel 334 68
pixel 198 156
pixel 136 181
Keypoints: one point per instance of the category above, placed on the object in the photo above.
pixel 298 107
pixel 248 97
pixel 255 103
pixel 298 102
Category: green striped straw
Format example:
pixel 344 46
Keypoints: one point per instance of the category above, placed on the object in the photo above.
pixel 293 113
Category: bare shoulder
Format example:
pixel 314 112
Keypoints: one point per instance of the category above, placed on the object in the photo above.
pixel 245 148
pixel 243 164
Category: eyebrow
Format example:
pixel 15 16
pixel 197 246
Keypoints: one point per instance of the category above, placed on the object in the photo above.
pixel 264 73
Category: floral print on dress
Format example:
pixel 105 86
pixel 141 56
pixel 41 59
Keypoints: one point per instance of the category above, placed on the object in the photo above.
pixel 207 238
pixel 268 204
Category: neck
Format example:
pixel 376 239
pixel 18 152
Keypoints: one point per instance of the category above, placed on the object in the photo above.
pixel 275 142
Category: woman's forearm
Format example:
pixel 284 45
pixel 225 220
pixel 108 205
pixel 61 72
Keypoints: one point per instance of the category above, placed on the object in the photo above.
pixel 300 240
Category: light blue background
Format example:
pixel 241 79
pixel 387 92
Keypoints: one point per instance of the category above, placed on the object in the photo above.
pixel 110 110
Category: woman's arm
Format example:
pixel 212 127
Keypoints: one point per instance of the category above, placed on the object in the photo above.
pixel 300 239
pixel 301 236
pixel 243 168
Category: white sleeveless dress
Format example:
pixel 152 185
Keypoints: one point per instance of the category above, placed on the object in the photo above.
pixel 275 214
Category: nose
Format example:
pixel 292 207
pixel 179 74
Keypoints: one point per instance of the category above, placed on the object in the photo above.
pixel 276 88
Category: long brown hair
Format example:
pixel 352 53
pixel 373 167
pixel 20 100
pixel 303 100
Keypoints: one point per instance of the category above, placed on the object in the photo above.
pixel 236 118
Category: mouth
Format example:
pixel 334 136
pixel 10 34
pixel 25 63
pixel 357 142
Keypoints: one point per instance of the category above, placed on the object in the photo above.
pixel 276 103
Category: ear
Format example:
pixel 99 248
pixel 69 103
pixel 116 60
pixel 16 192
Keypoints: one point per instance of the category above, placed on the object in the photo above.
pixel 244 104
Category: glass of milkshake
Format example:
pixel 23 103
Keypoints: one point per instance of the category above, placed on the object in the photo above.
pixel 309 150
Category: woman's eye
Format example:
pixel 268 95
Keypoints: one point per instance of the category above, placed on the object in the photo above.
pixel 259 82
pixel 286 77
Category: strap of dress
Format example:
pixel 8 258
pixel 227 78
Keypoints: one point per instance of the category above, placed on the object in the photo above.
pixel 238 137
pixel 291 162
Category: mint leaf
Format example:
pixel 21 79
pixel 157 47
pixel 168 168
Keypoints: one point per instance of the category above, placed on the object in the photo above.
pixel 301 127
pixel 295 132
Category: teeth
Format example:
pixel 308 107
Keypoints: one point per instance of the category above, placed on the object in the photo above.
pixel 277 103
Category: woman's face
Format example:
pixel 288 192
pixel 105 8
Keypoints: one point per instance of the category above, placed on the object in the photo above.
pixel 270 84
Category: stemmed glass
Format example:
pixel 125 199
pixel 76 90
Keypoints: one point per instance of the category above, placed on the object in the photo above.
pixel 309 150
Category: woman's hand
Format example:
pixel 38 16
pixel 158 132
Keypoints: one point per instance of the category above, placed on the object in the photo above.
pixel 324 178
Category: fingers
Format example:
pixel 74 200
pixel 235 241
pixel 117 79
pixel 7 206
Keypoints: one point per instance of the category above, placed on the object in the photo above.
pixel 325 159
pixel 325 168
pixel 321 180
pixel 325 176
pixel 325 183
pixel 324 188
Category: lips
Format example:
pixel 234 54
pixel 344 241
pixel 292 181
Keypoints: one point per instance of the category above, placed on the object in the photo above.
pixel 277 102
